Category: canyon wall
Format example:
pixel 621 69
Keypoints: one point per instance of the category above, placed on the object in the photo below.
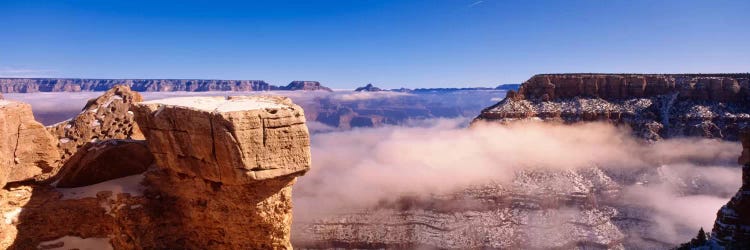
pixel 213 173
pixel 654 106
pixel 31 85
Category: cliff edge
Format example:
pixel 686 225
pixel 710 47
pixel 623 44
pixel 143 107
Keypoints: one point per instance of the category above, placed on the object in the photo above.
pixel 656 106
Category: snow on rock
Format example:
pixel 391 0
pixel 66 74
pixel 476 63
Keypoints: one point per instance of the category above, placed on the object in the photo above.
pixel 130 185
pixel 221 104
pixel 12 216
pixel 74 242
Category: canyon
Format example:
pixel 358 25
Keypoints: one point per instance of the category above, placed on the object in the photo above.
pixel 563 209
pixel 184 173
pixel 210 172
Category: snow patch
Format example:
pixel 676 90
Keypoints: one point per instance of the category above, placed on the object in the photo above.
pixel 12 216
pixel 219 104
pixel 129 184
pixel 74 242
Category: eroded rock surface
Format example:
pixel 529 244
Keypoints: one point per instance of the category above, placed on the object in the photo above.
pixel 27 150
pixel 235 140
pixel 732 227
pixel 105 117
pixel 655 106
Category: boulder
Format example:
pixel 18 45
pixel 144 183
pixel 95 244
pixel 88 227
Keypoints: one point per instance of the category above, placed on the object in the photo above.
pixel 105 160
pixel 105 117
pixel 235 140
pixel 27 150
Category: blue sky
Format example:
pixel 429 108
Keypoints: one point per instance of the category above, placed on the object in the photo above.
pixel 392 43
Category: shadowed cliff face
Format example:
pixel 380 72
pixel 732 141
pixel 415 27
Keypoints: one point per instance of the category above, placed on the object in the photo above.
pixel 732 227
pixel 654 106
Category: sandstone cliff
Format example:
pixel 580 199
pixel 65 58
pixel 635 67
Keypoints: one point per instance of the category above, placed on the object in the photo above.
pixel 227 185
pixel 655 106
pixel 30 85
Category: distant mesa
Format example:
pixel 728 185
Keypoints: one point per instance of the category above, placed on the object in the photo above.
pixel 305 85
pixel 368 88
pixel 31 85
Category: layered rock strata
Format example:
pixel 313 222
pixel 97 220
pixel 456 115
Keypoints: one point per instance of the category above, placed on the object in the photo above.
pixel 224 141
pixel 732 226
pixel 27 150
pixel 31 85
pixel 655 106
pixel 105 117
pixel 233 191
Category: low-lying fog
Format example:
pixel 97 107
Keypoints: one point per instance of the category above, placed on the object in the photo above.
pixel 358 168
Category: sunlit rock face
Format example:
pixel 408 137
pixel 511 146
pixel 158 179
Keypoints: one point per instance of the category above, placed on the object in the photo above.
pixel 654 106
pixel 732 227
pixel 255 152
pixel 27 150
pixel 233 140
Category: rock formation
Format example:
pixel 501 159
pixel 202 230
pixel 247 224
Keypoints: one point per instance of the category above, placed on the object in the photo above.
pixel 224 142
pixel 732 227
pixel 226 186
pixel 305 85
pixel 27 151
pixel 655 106
pixel 104 117
pixel 368 88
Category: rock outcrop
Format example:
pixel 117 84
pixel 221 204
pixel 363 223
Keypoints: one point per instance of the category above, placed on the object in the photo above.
pixel 227 186
pixel 27 150
pixel 732 227
pixel 655 106
pixel 105 117
pixel 305 85
pixel 368 88
pixel 224 142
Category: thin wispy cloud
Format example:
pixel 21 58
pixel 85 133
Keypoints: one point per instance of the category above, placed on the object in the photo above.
pixel 25 72
pixel 475 3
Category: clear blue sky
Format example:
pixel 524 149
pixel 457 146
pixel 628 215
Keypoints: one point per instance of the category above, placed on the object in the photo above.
pixel 392 43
